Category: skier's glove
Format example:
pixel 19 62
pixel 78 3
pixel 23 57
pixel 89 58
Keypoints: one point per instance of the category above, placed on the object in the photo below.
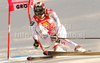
pixel 55 38
pixel 36 44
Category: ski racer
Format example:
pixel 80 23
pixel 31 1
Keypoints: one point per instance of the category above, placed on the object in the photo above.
pixel 46 25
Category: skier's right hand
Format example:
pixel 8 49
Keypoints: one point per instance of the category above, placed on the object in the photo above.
pixel 36 44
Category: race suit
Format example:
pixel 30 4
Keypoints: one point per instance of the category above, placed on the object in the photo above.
pixel 48 26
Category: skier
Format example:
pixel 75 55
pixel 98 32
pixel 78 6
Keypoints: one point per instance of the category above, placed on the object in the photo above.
pixel 46 25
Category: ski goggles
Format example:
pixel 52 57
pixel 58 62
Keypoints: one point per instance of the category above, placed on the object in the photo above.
pixel 39 13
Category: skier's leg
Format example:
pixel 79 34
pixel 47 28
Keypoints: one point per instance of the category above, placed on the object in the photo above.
pixel 46 37
pixel 53 45
pixel 68 43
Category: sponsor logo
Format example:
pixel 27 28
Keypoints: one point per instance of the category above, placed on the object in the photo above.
pixel 63 43
pixel 45 23
pixel 20 6
pixel 45 36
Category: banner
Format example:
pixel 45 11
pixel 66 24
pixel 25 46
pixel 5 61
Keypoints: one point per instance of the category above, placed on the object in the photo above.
pixel 19 4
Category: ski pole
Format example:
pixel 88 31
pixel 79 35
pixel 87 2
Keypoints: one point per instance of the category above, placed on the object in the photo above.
pixel 81 38
pixel 44 52
pixel 41 46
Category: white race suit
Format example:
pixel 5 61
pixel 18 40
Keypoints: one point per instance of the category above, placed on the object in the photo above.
pixel 49 25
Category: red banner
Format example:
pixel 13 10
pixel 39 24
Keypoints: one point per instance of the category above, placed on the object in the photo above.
pixel 19 4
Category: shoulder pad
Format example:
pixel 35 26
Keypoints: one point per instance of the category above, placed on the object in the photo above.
pixel 32 23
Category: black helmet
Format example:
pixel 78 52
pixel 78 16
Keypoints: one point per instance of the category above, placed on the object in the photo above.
pixel 39 8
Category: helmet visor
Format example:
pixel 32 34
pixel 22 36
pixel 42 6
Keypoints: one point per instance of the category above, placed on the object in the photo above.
pixel 39 13
pixel 39 10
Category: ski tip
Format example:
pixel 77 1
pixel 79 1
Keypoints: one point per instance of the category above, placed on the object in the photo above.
pixel 41 57
pixel 29 58
pixel 45 52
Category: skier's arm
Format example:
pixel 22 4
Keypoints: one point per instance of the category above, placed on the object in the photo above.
pixel 56 19
pixel 33 25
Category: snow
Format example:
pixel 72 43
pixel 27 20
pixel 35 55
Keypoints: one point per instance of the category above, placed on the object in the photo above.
pixel 60 59
pixel 80 17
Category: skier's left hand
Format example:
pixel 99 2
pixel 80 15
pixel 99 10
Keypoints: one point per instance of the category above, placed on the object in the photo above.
pixel 55 38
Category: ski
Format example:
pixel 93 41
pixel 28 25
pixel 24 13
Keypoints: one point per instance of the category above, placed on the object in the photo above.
pixel 52 53
pixel 41 57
